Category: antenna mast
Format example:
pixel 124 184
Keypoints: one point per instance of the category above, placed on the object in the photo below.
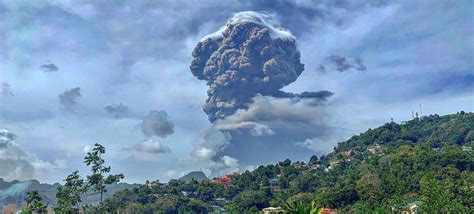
pixel 420 111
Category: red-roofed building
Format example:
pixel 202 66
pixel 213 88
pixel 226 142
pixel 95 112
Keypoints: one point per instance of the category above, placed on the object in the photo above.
pixel 346 153
pixel 327 211
pixel 226 179
pixel 223 180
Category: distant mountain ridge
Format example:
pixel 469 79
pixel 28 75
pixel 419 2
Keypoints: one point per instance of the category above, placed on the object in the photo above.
pixel 196 175
pixel 14 192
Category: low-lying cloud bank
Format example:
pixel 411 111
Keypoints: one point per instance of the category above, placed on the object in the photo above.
pixel 18 164
pixel 148 149
pixel 267 131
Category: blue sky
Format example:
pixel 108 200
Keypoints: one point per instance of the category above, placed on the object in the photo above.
pixel 138 53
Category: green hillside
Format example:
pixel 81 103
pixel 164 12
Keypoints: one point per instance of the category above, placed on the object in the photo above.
pixel 426 161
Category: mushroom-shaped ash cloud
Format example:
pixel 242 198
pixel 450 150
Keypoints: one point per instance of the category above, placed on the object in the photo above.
pixel 248 56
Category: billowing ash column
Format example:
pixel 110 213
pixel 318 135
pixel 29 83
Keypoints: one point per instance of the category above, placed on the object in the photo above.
pixel 246 57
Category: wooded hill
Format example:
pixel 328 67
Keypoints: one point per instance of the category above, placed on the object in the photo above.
pixel 426 160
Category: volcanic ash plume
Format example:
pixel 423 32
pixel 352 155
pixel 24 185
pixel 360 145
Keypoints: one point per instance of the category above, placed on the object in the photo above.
pixel 6 90
pixel 246 57
pixel 117 110
pixel 49 67
pixel 68 99
pixel 342 64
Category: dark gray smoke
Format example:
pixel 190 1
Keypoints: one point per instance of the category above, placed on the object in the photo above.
pixel 157 123
pixel 359 64
pixel 6 90
pixel 68 99
pixel 341 64
pixel 245 58
pixel 321 95
pixel 117 110
pixel 49 67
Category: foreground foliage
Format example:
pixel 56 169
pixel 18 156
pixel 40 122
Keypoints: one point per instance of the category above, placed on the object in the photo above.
pixel 34 204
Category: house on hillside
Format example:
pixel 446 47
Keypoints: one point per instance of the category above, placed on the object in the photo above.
pixel 15 209
pixel 346 153
pixel 271 210
pixel 222 180
pixel 327 211
pixel 226 179
pixel 11 209
pixel 273 181
pixel 412 207
pixel 218 210
pixel 315 167
pixel 466 148
pixel 332 164
pixel 375 149
pixel 152 183
pixel 221 201
pixel 299 165
pixel 187 193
